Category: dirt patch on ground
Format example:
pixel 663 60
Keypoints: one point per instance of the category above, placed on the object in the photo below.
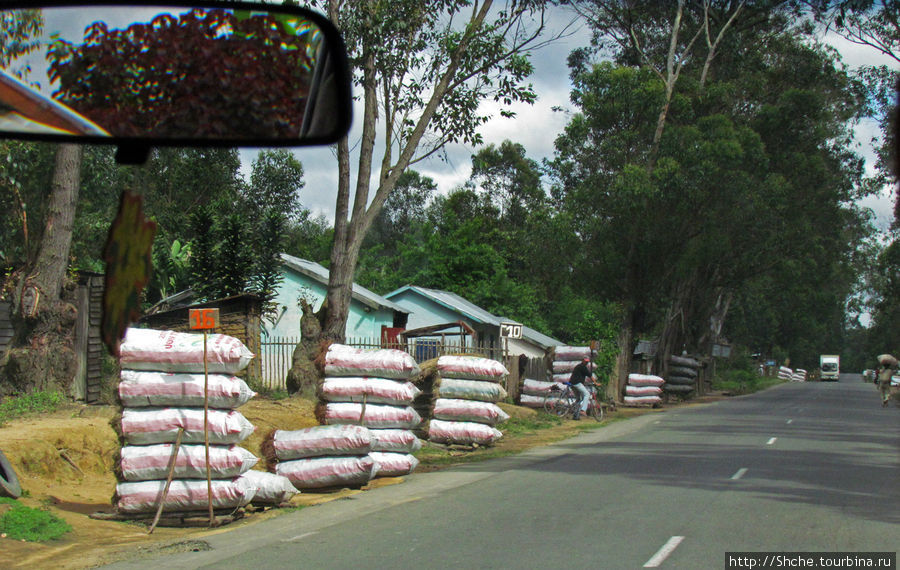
pixel 65 463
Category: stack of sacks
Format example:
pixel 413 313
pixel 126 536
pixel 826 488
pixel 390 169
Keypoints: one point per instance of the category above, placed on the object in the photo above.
pixel 785 373
pixel 643 389
pixel 161 391
pixel 532 393
pixel 564 359
pixel 371 388
pixel 799 375
pixel 465 407
pixel 322 457
pixel 683 373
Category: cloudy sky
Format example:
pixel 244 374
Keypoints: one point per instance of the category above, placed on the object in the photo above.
pixel 536 127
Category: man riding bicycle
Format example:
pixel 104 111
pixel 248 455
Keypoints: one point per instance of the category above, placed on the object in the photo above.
pixel 580 374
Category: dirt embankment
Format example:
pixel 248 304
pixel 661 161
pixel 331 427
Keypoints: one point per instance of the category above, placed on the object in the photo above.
pixel 65 462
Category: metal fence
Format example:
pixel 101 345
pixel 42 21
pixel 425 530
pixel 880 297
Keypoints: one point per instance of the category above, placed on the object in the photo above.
pixel 276 354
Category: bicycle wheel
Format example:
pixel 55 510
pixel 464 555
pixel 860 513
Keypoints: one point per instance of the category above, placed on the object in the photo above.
pixel 566 404
pixel 552 402
pixel 595 410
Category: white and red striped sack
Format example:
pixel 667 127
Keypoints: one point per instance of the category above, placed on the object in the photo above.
pixel 642 390
pixel 377 416
pixel 575 353
pixel 564 366
pixel 471 367
pixel 374 390
pixel 160 425
pixel 471 390
pixel 184 495
pixel 324 472
pixel 393 464
pixel 271 489
pixel 395 440
pixel 138 389
pixel 639 400
pixel 645 380
pixel 464 433
pixel 539 388
pixel 469 411
pixel 170 351
pixel 530 401
pixel 343 360
pixel 565 376
pixel 148 462
pixel 322 440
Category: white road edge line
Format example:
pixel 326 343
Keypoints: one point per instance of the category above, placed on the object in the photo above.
pixel 771 440
pixel 300 536
pixel 740 473
pixel 664 552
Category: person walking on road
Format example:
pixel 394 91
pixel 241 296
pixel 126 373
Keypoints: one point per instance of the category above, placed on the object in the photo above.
pixel 887 364
pixel 581 373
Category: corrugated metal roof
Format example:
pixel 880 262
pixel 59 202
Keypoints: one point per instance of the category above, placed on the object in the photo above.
pixel 320 274
pixel 475 313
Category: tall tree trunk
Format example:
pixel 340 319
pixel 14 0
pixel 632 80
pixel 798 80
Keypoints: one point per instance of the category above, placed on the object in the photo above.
pixel 41 356
pixel 49 270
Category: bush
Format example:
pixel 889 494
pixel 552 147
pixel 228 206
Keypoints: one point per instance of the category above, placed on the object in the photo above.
pixel 35 402
pixel 32 525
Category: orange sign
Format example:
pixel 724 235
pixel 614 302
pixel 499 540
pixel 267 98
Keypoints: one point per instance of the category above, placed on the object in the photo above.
pixel 204 318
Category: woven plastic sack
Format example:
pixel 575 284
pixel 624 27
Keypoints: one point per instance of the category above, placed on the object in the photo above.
pixel 184 495
pixel 393 464
pixel 575 353
pixel 326 472
pixel 469 411
pixel 471 390
pixel 160 425
pixel 538 387
pixel 471 367
pixel 271 489
pixel 376 416
pixel 322 440
pixel 463 433
pixel 642 390
pixel 395 440
pixel 149 462
pixel 642 400
pixel 170 351
pixel 645 380
pixel 565 376
pixel 374 390
pixel 343 360
pixel 530 401
pixel 138 389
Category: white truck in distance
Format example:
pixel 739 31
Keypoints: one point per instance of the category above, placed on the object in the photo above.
pixel 829 367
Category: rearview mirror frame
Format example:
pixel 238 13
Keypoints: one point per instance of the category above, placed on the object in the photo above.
pixel 328 114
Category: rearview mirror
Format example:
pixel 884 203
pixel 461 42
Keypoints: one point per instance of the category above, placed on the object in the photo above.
pixel 203 73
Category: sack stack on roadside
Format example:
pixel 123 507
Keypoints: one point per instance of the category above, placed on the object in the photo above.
pixel 682 377
pixel 322 457
pixel 464 395
pixel 785 373
pixel 643 390
pixel 564 359
pixel 532 393
pixel 372 388
pixel 799 375
pixel 161 389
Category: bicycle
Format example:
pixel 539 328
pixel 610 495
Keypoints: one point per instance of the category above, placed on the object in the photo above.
pixel 563 402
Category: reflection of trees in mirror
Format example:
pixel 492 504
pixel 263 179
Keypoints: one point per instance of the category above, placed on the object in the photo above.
pixel 184 77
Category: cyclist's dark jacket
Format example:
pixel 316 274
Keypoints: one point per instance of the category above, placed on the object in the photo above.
pixel 579 374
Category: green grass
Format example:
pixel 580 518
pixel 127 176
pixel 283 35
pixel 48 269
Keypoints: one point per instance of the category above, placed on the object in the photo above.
pixel 36 402
pixel 32 525
pixel 740 382
pixel 521 426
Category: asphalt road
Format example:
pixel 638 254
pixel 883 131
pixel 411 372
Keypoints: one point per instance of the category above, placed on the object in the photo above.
pixel 803 467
